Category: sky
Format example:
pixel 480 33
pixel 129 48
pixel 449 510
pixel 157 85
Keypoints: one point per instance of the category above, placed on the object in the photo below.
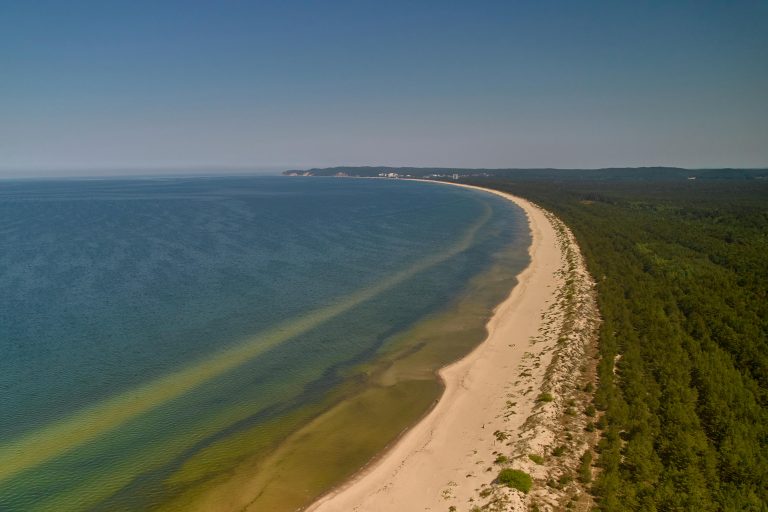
pixel 106 86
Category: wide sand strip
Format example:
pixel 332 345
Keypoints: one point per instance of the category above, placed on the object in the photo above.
pixel 444 459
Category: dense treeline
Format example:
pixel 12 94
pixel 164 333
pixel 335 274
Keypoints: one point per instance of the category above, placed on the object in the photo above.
pixel 682 272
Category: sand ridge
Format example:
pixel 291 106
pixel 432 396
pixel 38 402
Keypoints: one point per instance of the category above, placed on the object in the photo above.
pixel 491 405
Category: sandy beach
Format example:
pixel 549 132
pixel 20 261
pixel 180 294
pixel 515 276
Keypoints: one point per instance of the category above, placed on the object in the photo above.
pixel 490 404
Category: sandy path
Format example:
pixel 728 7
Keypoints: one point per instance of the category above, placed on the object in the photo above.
pixel 444 459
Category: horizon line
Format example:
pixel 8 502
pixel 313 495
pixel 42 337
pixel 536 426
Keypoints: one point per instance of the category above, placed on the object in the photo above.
pixel 212 170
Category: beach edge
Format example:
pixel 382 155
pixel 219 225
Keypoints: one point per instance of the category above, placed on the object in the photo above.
pixel 408 470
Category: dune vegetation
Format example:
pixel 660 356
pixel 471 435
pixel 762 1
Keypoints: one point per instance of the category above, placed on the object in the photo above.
pixel 682 277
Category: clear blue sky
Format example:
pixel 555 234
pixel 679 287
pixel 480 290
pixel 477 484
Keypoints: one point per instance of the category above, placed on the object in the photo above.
pixel 274 84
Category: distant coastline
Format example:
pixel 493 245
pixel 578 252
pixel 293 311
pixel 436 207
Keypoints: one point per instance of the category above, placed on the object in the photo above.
pixel 524 174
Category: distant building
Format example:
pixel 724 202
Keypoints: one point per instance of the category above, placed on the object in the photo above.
pixel 455 176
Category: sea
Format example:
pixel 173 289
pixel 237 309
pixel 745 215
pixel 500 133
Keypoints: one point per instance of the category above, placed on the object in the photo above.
pixel 164 338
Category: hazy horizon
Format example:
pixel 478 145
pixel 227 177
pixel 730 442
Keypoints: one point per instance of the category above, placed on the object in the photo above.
pixel 214 171
pixel 280 85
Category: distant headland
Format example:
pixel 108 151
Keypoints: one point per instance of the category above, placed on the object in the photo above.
pixel 609 173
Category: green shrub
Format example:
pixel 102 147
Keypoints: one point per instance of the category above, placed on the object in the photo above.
pixel 515 479
pixel 501 459
pixel 545 397
pixel 538 459
pixel 558 451
pixel 585 468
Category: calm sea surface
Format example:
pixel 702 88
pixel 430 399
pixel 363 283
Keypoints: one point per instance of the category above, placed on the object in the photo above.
pixel 144 320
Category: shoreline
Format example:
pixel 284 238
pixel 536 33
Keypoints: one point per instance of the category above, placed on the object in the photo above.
pixel 396 389
pixel 445 458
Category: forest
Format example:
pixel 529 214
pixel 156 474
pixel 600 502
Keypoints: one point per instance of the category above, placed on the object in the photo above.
pixel 682 273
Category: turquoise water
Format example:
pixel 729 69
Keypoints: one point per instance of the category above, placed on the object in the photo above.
pixel 143 320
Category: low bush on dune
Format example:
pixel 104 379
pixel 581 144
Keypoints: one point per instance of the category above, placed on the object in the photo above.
pixel 515 479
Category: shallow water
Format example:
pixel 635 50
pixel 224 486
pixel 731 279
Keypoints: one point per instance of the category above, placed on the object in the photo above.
pixel 150 329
